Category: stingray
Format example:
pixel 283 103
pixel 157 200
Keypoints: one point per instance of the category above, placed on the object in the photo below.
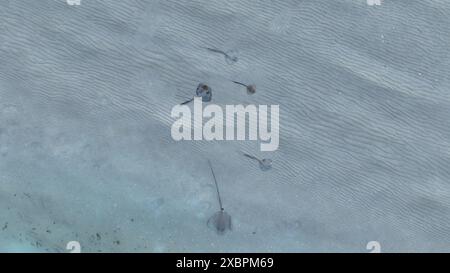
pixel 221 220
pixel 264 164
pixel 231 56
pixel 251 88
pixel 203 91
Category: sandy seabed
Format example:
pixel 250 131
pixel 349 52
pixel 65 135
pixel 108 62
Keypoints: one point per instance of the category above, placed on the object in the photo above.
pixel 85 147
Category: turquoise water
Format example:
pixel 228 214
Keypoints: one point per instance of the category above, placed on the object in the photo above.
pixel 85 147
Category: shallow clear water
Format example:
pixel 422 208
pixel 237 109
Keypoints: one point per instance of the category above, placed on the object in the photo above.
pixel 85 147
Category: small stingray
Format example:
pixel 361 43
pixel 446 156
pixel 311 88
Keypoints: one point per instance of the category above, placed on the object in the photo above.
pixel 264 164
pixel 231 56
pixel 203 91
pixel 221 220
pixel 251 88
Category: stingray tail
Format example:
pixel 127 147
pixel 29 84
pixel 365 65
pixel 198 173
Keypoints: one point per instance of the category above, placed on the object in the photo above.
pixel 186 102
pixel 250 156
pixel 215 50
pixel 217 186
pixel 240 83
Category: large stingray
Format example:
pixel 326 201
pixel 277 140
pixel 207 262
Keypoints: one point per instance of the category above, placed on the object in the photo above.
pixel 221 220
